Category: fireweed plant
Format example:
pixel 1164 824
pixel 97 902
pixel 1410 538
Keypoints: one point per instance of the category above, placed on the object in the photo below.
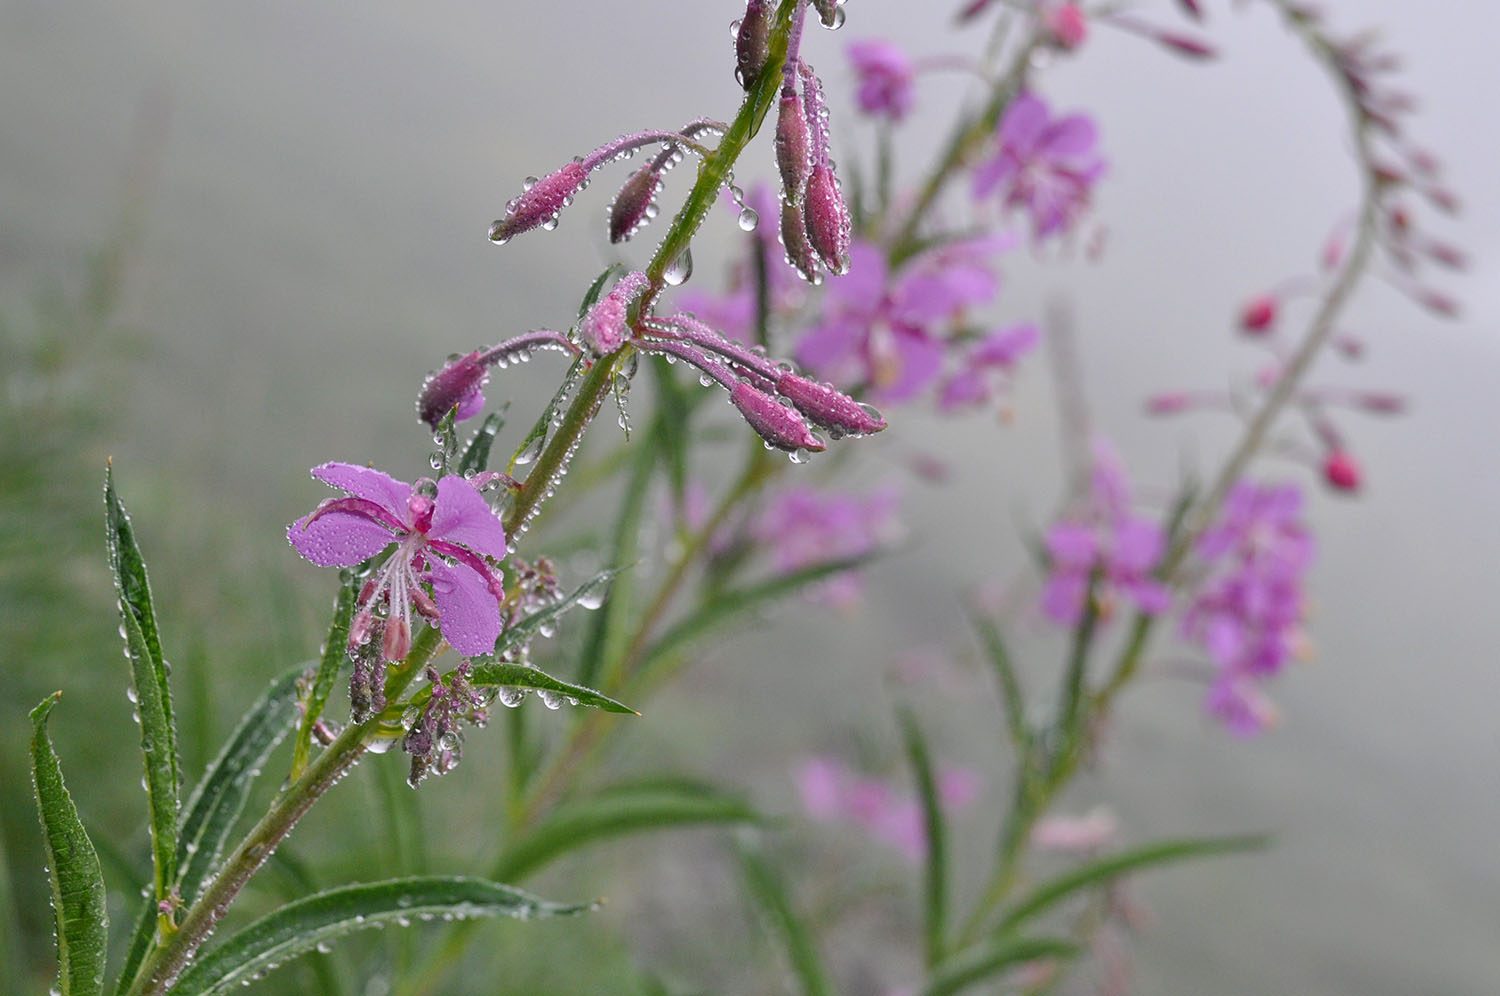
pixel 850 292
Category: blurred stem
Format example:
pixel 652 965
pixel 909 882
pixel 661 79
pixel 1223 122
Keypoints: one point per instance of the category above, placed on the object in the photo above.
pixel 166 962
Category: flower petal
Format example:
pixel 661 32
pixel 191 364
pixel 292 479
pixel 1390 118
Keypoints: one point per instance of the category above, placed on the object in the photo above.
pixel 338 539
pixel 468 612
pixel 463 516
pixel 372 485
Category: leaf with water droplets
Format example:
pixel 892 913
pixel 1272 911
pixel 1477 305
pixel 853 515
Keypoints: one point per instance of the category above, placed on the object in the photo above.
pixel 618 811
pixel 531 446
pixel 590 594
pixel 769 893
pixel 312 924
pixel 149 681
pixel 72 868
pixel 491 673
pixel 935 884
pixel 476 456
pixel 990 958
pixel 335 649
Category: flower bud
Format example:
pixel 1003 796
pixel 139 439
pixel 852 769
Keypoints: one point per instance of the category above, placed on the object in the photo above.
pixel 605 327
pixel 631 208
pixel 1341 471
pixel 752 43
pixel 829 226
pixel 1259 314
pixel 1067 25
pixel 829 408
pixel 460 384
pixel 541 203
pixel 1171 403
pixel 799 251
pixel 777 424
pixel 793 145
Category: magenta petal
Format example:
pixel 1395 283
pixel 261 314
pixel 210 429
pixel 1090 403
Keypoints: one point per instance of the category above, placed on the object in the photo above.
pixel 468 612
pixel 1024 123
pixel 372 485
pixel 462 516
pixel 830 350
pixel 918 361
pixel 338 539
pixel 1074 135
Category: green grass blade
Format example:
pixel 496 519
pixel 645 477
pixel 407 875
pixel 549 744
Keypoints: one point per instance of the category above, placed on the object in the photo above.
pixel 492 673
pixel 332 660
pixel 766 889
pixel 990 958
pixel 315 922
pixel 72 867
pixel 1096 873
pixel 935 877
pixel 1013 699
pixel 616 812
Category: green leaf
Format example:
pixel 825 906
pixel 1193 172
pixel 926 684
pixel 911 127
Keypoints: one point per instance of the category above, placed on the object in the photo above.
pixel 935 885
pixel 476 456
pixel 730 605
pixel 543 425
pixel 592 593
pixel 1012 698
pixel 1096 873
pixel 768 892
pixel 335 648
pixel 152 690
pixel 318 920
pixel 616 812
pixel 447 449
pixel 72 868
pixel 604 642
pixel 990 958
pixel 220 795
pixel 494 673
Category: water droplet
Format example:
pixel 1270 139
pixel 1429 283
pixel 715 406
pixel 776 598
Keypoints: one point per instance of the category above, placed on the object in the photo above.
pixel 799 456
pixel 550 699
pixel 497 233
pixel 680 269
pixel 528 183
pixel 512 697
pixel 749 219
pixel 531 451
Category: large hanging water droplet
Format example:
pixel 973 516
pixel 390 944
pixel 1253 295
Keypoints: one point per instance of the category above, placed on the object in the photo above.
pixel 531 451
pixel 839 16
pixel 680 269
pixel 749 219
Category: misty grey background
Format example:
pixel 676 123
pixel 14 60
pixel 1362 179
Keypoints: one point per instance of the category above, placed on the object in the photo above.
pixel 315 242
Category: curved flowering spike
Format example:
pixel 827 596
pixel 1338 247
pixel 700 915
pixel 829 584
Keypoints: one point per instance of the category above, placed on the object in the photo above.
pixel 829 408
pixel 633 205
pixel 752 43
pixel 829 226
pixel 541 203
pixel 799 251
pixel 605 328
pixel 461 382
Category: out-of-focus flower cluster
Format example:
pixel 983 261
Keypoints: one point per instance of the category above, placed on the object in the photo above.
pixel 832 792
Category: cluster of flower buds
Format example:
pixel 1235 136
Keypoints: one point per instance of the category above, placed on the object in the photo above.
pixel 1064 25
pixel 434 737
pixel 816 227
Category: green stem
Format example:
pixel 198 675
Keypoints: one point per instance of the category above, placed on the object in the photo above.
pixel 167 961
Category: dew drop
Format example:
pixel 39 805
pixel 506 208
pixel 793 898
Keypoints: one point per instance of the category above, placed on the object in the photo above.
pixel 680 269
pixel 749 219
pixel 531 451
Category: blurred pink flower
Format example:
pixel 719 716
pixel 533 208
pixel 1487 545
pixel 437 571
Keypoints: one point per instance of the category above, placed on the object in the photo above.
pixel 833 793
pixel 1076 835
pixel 804 527
pixel 985 369
pixel 1044 165
pixel 886 77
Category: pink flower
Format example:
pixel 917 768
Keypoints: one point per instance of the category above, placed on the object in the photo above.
pixel 1044 165
pixel 984 371
pixel 886 79
pixel 445 537
pixel 1341 471
pixel 1067 24
pixel 883 330
pixel 832 793
pixel 1077 835
pixel 804 527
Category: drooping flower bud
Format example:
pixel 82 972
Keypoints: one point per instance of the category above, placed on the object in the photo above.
pixel 776 423
pixel 829 408
pixel 1170 403
pixel 799 251
pixel 460 384
pixel 541 203
pixel 632 206
pixel 829 226
pixel 605 327
pixel 793 145
pixel 752 43
pixel 1259 314
pixel 1341 471
pixel 1066 24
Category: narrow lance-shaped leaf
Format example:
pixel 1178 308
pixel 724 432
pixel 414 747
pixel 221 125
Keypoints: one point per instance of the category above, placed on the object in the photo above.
pixel 445 437
pixel 532 444
pixel 335 648
pixel 320 919
pixel 990 958
pixel 495 674
pixel 476 456
pixel 1012 697
pixel 1096 873
pixel 72 868
pixel 605 636
pixel 935 883
pixel 766 889
pixel 152 690
pixel 591 594
pixel 616 812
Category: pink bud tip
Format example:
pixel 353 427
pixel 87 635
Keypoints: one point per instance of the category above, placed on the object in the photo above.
pixel 777 424
pixel 1259 314
pixel 1168 404
pixel 1187 46
pixel 829 226
pixel 1341 471
pixel 1067 25
pixel 631 208
pixel 605 327
pixel 829 408
pixel 458 384
pixel 541 204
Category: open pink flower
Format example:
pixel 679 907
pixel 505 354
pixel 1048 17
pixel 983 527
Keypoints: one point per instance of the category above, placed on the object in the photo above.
pixel 804 527
pixel 986 368
pixel 1044 165
pixel 887 79
pixel 833 793
pixel 443 537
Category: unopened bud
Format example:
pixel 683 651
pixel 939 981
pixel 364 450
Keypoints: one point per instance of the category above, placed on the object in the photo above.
pixel 799 251
pixel 541 204
pixel 631 208
pixel 1259 314
pixel 460 384
pixel 397 642
pixel 1341 472
pixel 829 408
pixel 605 327
pixel 1172 403
pixel 752 43
pixel 776 423
pixel 1066 24
pixel 1381 402
pixel 793 145
pixel 829 226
